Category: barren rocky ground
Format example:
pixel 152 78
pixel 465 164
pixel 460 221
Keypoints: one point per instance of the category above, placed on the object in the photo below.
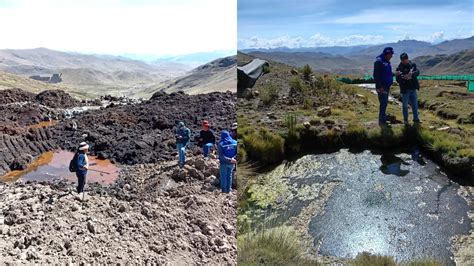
pixel 154 213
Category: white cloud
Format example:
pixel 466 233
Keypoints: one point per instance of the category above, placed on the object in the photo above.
pixel 437 36
pixel 316 40
pixel 114 26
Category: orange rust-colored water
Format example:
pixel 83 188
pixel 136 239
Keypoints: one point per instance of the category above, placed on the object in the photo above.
pixel 55 165
pixel 44 124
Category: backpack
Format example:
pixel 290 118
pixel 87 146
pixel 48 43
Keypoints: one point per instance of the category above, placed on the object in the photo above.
pixel 73 163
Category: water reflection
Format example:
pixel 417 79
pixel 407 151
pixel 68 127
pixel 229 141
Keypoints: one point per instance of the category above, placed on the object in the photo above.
pixel 55 165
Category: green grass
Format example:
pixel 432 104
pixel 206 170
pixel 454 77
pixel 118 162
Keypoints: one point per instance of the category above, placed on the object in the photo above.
pixel 269 92
pixel 274 246
pixel 366 259
pixel 264 146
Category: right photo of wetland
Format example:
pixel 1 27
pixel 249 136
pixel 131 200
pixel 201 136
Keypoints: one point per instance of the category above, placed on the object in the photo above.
pixel 356 132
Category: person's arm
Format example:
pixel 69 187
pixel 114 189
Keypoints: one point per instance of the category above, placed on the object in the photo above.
pixel 398 75
pixel 378 69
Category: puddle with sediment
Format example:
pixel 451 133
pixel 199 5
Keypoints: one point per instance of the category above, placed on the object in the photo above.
pixel 54 165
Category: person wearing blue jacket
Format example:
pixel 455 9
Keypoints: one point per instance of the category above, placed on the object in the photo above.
pixel 82 166
pixel 227 150
pixel 383 78
pixel 183 136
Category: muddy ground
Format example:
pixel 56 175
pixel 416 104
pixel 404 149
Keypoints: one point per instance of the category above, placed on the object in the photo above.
pixel 155 212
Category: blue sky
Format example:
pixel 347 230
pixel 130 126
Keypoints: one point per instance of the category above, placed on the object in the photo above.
pixel 152 27
pixel 304 23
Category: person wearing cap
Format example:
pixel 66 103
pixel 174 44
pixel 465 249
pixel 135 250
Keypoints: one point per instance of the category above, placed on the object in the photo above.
pixel 183 136
pixel 227 150
pixel 407 78
pixel 207 140
pixel 82 166
pixel 233 131
pixel 383 78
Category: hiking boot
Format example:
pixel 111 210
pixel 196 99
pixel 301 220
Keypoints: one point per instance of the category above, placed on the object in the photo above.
pixel 417 121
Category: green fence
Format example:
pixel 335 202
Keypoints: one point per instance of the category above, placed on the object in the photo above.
pixel 369 79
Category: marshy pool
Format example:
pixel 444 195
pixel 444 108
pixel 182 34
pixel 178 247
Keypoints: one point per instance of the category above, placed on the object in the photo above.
pixel 392 204
pixel 54 165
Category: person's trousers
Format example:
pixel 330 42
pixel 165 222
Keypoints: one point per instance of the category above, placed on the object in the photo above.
pixel 81 180
pixel 410 97
pixel 225 170
pixel 181 152
pixel 383 101
pixel 206 148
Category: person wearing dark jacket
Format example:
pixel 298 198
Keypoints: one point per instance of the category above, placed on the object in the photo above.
pixel 82 166
pixel 207 140
pixel 227 151
pixel 183 136
pixel 407 78
pixel 383 78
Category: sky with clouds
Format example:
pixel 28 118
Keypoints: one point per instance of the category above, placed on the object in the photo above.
pixel 306 23
pixel 159 27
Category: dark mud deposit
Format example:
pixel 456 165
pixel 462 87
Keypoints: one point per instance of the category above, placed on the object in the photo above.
pixel 408 213
pixel 128 134
pixel 384 204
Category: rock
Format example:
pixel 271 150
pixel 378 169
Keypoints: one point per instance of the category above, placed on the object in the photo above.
pixel 294 72
pixel 229 229
pixel 446 128
pixel 91 227
pixel 126 187
pixel 324 111
pixel 75 207
pixel 306 124
pixel 67 244
pixel 122 208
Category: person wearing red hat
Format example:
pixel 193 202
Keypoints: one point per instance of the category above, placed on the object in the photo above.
pixel 207 140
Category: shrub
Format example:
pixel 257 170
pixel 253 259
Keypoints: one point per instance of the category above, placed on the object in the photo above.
pixel 264 146
pixel 269 92
pixel 275 246
pixel 308 104
pixel 307 71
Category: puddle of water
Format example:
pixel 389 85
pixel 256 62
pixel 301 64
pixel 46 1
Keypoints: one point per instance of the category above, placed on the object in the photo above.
pixel 55 165
pixel 44 124
pixel 390 205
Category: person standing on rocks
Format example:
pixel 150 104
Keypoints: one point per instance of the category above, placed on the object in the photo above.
pixel 233 131
pixel 383 78
pixel 227 150
pixel 183 136
pixel 207 140
pixel 82 166
pixel 407 78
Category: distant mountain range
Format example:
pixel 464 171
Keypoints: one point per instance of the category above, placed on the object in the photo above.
pixel 457 63
pixel 93 75
pixel 217 75
pixel 358 60
pixel 82 70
